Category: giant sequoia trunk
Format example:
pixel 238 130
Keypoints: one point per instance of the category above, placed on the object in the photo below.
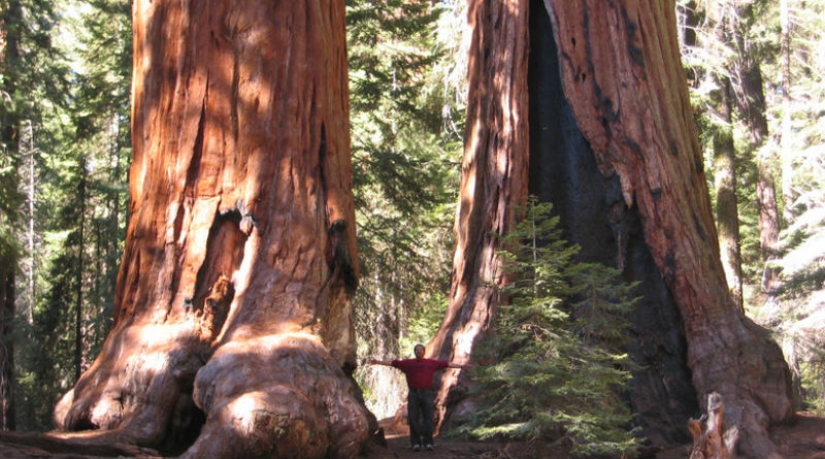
pixel 233 331
pixel 622 112
pixel 493 180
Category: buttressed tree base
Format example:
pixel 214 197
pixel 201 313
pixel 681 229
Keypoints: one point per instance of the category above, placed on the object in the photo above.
pixel 623 82
pixel 233 330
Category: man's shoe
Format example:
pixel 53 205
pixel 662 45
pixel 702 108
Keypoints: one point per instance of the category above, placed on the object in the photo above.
pixel 416 448
pixel 429 447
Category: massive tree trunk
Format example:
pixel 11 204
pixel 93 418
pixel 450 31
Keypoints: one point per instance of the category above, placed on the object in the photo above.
pixel 233 321
pixel 593 214
pixel 493 179
pixel 622 78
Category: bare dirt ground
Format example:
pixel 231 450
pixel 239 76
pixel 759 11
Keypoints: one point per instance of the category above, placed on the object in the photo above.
pixel 805 439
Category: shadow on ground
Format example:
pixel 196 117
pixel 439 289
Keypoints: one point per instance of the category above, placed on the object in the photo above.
pixel 805 438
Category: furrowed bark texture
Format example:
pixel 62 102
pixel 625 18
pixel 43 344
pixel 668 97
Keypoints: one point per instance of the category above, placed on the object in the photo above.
pixel 494 178
pixel 624 81
pixel 593 215
pixel 626 90
pixel 233 299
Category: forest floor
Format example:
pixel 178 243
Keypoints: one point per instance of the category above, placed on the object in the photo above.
pixel 805 439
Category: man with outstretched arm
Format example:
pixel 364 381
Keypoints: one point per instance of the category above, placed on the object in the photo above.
pixel 421 396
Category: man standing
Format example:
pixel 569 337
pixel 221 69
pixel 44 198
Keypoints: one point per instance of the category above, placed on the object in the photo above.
pixel 421 396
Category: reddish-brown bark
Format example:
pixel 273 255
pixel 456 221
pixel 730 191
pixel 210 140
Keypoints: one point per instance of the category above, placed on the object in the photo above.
pixel 234 292
pixel 624 80
pixel 494 178
pixel 622 76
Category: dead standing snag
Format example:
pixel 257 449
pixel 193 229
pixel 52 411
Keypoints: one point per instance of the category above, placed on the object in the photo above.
pixel 709 440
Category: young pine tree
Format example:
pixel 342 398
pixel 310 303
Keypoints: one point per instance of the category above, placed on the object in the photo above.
pixel 557 371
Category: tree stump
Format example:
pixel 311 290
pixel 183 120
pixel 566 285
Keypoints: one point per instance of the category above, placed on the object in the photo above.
pixel 709 441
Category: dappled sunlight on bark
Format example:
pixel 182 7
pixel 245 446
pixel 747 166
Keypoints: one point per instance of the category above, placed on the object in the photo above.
pixel 494 178
pixel 285 383
pixel 240 260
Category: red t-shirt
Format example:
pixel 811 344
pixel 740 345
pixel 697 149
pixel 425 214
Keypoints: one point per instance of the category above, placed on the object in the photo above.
pixel 420 373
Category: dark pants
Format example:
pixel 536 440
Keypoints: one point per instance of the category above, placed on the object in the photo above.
pixel 420 405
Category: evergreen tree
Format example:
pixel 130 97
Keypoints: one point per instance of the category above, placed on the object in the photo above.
pixel 404 173
pixel 101 124
pixel 32 83
pixel 78 200
pixel 556 369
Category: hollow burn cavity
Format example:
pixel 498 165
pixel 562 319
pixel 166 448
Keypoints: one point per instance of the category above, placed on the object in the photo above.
pixel 214 290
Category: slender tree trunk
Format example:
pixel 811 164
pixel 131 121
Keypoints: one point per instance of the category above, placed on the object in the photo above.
pixel 10 29
pixel 7 310
pixel 752 108
pixel 769 225
pixel 9 259
pixel 79 267
pixel 494 178
pixel 30 236
pixel 785 149
pixel 724 154
pixel 234 295
pixel 727 207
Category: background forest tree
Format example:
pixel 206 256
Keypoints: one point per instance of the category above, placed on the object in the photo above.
pixel 406 117
pixel 772 61
pixel 66 148
pixel 74 151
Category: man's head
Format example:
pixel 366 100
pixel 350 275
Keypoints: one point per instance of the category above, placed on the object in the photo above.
pixel 419 351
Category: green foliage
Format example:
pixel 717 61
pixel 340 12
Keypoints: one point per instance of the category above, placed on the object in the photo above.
pixel 812 373
pixel 73 113
pixel 423 322
pixel 405 147
pixel 552 368
pixel 10 200
pixel 604 301
pixel 404 166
